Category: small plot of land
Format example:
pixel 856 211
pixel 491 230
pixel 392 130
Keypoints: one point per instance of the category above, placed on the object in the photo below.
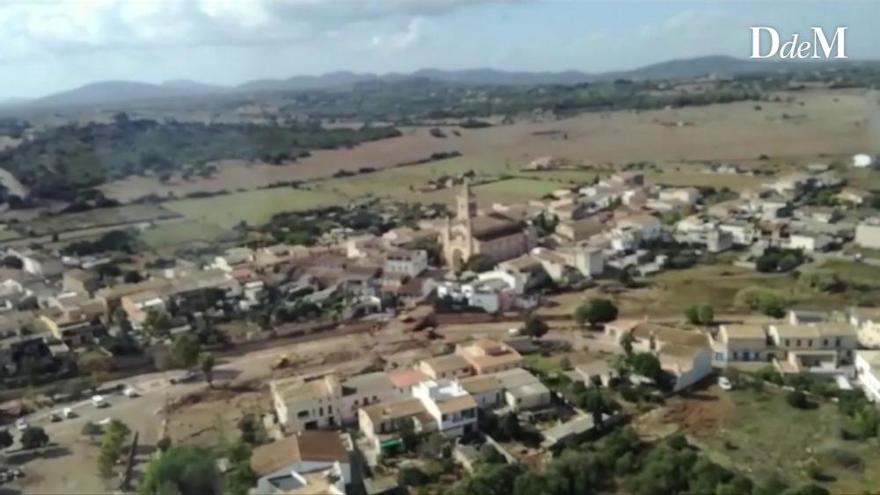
pixel 691 176
pixel 210 417
pixel 669 293
pixel 758 433
pixel 178 233
pixel 253 207
pixel 853 272
pixel 101 217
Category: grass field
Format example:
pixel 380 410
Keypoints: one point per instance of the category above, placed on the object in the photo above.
pixel 757 432
pixel 253 207
pixel 177 233
pixel 98 218
pixel 691 176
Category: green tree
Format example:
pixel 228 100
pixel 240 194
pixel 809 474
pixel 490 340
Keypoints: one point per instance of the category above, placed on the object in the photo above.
pixel 241 477
pixel 182 469
pixel 700 314
pixel 33 437
pixel 112 443
pixel 185 350
pixel 206 363
pixel 509 427
pixel 595 311
pixel 6 439
pixel 157 323
pixel 647 365
pixel 598 405
pixel 535 327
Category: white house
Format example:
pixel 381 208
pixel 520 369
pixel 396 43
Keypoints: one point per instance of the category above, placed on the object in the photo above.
pixel 409 263
pixel 868 234
pixel 809 242
pixel 453 409
pixel 309 462
pixel 867 369
pixel 523 390
pixel 307 404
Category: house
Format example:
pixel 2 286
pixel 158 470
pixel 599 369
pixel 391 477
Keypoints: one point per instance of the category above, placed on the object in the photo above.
pixel 363 390
pixel 488 356
pixel 487 390
pixel 453 409
pixel 409 263
pixel 744 233
pixel 74 334
pixel 687 364
pixel 234 257
pixel 381 423
pixel 523 390
pixel 303 404
pixel 578 230
pixel 687 195
pixel 866 321
pixel 822 214
pixel 310 462
pixel 596 372
pixel 814 346
pixel 645 227
pixel 854 196
pixel 446 367
pixel 867 370
pixel 588 260
pixel 137 306
pixel 39 264
pixel 868 234
pixel 79 280
pixel 404 380
pixel 810 242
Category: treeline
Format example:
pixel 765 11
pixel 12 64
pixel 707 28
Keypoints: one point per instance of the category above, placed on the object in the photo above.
pixel 62 161
pixel 621 463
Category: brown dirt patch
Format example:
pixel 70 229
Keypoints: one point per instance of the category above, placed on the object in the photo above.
pixel 700 412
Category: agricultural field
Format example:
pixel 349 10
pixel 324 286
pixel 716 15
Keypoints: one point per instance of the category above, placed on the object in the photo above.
pixel 813 123
pixel 101 217
pixel 685 176
pixel 172 234
pixel 252 207
pixel 759 433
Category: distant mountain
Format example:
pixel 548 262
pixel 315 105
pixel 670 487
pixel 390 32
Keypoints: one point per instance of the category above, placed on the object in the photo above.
pixel 188 85
pixel 123 91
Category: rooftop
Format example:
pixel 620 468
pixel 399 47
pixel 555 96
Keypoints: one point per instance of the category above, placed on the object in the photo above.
pixel 368 383
pixel 746 331
pixel 307 446
pixel 296 388
pixel 814 330
pixel 480 384
pixel 405 378
pixel 448 362
pixel 394 410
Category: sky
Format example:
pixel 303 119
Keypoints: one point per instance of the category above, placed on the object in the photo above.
pixel 53 45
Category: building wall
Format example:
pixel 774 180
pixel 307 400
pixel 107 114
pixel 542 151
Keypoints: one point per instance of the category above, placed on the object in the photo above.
pixel 868 235
pixel 870 382
pixel 701 368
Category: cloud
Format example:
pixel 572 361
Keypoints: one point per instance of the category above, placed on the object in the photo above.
pixel 411 34
pixel 33 29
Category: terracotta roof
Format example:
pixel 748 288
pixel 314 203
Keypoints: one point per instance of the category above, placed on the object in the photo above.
pixel 405 378
pixel 307 446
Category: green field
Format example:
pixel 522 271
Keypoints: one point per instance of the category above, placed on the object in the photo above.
pixel 759 434
pixel 101 217
pixel 253 207
pixel 178 233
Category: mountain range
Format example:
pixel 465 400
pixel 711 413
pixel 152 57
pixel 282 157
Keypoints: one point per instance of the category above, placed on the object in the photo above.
pixel 108 92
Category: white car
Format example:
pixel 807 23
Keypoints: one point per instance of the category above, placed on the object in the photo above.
pixel 724 383
pixel 68 413
pixel 104 422
pixel 130 391
pixel 21 424
pixel 99 402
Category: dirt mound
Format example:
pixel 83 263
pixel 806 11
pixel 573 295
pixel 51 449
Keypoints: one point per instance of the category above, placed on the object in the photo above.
pixel 700 414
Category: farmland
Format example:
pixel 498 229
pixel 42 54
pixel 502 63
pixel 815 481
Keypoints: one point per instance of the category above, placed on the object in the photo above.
pixel 759 433
pixel 832 123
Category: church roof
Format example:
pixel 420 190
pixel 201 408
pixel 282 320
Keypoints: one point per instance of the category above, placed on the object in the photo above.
pixel 493 226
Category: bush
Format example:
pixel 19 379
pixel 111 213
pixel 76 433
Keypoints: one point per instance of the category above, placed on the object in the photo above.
pixel 412 476
pixel 797 399
pixel 595 311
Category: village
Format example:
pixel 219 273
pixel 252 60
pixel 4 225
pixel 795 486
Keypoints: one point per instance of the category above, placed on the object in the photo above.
pixel 379 361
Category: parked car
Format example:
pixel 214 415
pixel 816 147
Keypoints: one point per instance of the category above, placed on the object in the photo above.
pixel 21 424
pixel 99 401
pixel 725 383
pixel 68 413
pixel 55 417
pixel 130 391
pixel 187 377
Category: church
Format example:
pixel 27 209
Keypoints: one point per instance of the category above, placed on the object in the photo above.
pixel 493 235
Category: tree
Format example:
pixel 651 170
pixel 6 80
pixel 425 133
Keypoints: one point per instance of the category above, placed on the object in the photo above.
pixel 182 469
pixel 112 443
pixel 91 430
pixel 240 477
pixel 6 439
pixel 509 427
pixel 535 327
pixel 700 314
pixel 132 277
pixel 595 311
pixel 33 437
pixel 157 323
pixel 647 365
pixel 595 402
pixel 185 350
pixel 797 399
pixel 489 454
pixel 626 343
pixel 412 476
pixel 206 363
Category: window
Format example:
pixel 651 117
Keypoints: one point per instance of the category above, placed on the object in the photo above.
pixel 303 414
pixel 824 342
pixel 837 342
pixel 787 342
pixel 798 342
pixel 320 411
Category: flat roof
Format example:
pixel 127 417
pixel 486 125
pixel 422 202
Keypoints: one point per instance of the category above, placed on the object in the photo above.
pixel 481 384
pixel 447 362
pixel 745 331
pixel 394 410
pixel 307 446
